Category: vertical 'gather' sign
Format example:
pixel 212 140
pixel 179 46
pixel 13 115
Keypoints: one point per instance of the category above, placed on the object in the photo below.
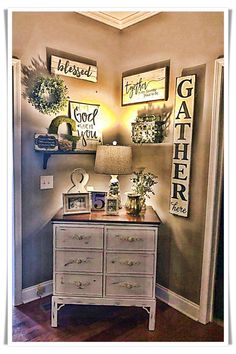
pixel 183 127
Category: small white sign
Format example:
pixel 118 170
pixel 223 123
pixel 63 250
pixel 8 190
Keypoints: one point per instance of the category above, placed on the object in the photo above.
pixel 66 67
pixel 183 127
pixel 45 142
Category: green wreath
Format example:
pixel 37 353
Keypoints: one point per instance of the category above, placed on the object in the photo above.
pixel 48 95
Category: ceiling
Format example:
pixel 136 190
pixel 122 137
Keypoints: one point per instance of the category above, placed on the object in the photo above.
pixel 118 19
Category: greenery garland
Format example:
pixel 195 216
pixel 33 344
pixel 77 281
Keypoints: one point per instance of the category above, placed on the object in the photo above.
pixel 48 95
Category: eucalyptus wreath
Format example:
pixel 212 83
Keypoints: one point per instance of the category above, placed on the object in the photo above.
pixel 48 94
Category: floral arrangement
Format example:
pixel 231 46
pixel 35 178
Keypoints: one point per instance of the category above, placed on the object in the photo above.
pixel 143 183
pixel 48 94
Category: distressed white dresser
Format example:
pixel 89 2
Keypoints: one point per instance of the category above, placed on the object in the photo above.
pixel 105 260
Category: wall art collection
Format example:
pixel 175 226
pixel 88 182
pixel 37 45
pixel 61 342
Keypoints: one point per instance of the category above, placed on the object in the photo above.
pixel 83 130
pixel 84 134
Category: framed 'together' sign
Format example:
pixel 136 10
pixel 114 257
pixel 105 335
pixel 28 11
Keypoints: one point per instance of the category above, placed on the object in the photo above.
pixel 146 86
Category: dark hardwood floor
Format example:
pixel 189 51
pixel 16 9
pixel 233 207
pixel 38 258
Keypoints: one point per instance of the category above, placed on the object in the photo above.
pixel 31 322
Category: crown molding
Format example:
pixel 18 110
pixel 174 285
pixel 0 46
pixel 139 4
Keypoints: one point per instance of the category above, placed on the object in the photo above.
pixel 111 20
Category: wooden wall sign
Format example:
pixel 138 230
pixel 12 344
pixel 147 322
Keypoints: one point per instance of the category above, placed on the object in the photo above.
pixel 87 121
pixel 66 67
pixel 144 87
pixel 183 127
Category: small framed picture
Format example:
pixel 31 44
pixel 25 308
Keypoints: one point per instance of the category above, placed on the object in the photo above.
pixel 98 200
pixel 76 203
pixel 112 206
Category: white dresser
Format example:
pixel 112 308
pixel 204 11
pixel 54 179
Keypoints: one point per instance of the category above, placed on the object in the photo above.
pixel 105 260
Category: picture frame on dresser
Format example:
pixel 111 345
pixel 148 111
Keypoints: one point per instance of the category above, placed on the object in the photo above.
pixel 112 206
pixel 76 203
pixel 98 200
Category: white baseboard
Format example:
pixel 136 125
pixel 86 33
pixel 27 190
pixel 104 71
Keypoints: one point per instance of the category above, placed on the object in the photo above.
pixel 174 300
pixel 30 294
pixel 178 302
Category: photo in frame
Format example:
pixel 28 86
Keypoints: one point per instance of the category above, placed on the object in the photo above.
pixel 87 120
pixel 112 206
pixel 151 85
pixel 98 200
pixel 76 203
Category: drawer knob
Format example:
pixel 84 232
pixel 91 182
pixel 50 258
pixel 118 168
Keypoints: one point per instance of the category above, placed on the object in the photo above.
pixel 129 238
pixel 78 237
pixel 127 285
pixel 129 262
pixel 77 261
pixel 80 284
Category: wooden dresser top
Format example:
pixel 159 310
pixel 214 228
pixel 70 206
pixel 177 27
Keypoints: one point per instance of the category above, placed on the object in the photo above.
pixel 150 217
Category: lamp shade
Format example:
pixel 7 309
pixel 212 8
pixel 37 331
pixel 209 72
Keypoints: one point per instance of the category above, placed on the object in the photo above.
pixel 113 160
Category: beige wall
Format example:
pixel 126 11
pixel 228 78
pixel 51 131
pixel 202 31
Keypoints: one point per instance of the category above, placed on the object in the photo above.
pixel 75 34
pixel 191 42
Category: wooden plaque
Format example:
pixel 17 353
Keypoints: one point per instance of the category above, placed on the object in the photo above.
pixel 66 67
pixel 144 87
pixel 183 128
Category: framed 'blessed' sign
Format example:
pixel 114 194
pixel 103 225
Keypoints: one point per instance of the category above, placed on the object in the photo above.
pixel 147 86
pixel 67 67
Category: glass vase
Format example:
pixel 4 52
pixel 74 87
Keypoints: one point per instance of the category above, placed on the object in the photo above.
pixel 143 204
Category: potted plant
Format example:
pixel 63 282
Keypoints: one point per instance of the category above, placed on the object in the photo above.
pixel 143 183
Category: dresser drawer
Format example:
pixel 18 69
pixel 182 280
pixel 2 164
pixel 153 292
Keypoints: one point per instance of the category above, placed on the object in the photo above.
pixel 129 238
pixel 79 237
pixel 78 261
pixel 130 263
pixel 78 284
pixel 129 286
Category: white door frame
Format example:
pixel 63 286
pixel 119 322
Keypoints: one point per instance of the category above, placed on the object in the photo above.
pixel 17 229
pixel 214 188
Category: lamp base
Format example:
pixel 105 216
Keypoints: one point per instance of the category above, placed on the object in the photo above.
pixel 114 188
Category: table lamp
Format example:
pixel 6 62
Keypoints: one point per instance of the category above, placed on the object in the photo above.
pixel 113 160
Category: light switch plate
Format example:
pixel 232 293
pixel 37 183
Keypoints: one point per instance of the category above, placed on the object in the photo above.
pixel 46 182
